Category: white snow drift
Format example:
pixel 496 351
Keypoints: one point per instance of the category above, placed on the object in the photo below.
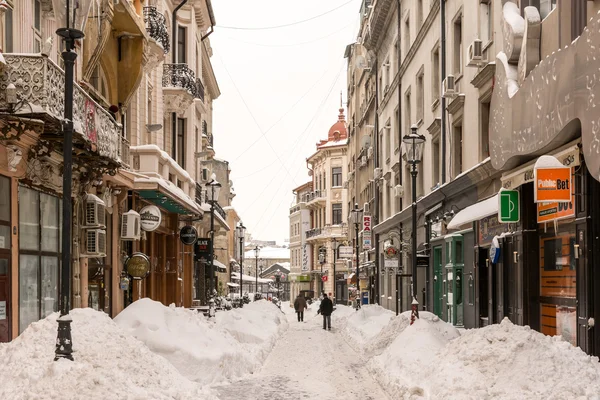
pixel 109 364
pixel 431 360
pixel 207 351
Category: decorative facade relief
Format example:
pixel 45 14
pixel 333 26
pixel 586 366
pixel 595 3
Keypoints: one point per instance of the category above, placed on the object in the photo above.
pixel 531 114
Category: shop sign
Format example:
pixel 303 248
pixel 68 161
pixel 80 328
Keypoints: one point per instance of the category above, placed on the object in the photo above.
pixel 422 261
pixel 150 218
pixel 188 235
pixel 508 209
pixel 391 252
pixel 345 252
pixel 554 211
pixel 138 266
pixel 552 184
pixel 202 249
pixel 490 227
pixel 324 278
pixel 390 262
pixel 303 278
pixel 2 309
pixel 366 232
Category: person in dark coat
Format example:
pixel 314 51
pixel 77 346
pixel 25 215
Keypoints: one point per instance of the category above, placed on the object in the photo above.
pixel 325 310
pixel 300 306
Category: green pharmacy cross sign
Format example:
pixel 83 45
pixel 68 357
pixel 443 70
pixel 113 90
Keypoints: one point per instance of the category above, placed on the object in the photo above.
pixel 508 207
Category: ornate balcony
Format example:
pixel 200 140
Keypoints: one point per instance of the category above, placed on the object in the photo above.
pixel 200 90
pixel 312 233
pixel 179 87
pixel 159 44
pixel 40 85
pixel 314 198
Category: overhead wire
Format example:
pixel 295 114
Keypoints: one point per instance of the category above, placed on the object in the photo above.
pixel 284 25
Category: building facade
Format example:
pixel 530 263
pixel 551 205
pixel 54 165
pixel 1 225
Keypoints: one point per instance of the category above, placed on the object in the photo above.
pixel 300 249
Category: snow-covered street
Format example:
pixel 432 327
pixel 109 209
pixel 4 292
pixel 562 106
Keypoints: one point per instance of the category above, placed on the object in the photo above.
pixel 309 363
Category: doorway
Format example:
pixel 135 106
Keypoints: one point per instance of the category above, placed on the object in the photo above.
pixel 483 269
pixel 438 293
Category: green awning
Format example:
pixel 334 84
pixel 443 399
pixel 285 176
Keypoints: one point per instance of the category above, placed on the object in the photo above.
pixel 164 201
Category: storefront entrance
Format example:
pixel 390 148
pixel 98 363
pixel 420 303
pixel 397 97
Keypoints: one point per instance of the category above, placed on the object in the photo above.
pixel 5 242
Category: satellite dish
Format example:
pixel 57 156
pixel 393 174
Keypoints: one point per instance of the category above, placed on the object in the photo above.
pixel 365 141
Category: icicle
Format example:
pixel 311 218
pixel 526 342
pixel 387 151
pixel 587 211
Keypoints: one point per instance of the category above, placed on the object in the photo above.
pixel 556 227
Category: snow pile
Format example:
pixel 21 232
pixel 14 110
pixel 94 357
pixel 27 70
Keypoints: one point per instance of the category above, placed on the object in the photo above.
pixel 207 351
pixel 109 364
pixel 363 325
pixel 513 362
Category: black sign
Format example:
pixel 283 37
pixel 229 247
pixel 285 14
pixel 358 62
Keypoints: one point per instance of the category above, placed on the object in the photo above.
pixel 188 235
pixel 422 261
pixel 201 249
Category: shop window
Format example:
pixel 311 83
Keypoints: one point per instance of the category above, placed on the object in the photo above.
pixel 557 263
pixel 39 255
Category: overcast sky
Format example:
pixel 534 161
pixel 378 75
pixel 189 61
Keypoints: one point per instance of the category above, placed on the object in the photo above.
pixel 280 94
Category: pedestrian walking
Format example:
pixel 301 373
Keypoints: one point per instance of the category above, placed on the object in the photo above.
pixel 300 306
pixel 325 310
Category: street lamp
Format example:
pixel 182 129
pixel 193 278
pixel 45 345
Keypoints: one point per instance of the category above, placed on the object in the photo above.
pixel 72 15
pixel 213 197
pixel 256 254
pixel 357 215
pixel 322 261
pixel 241 234
pixel 335 250
pixel 414 143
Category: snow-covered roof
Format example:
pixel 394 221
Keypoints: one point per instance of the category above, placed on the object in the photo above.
pixel 270 253
pixel 248 278
pixel 475 212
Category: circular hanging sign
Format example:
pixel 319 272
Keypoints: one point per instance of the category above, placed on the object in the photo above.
pixel 150 218
pixel 391 252
pixel 138 266
pixel 188 235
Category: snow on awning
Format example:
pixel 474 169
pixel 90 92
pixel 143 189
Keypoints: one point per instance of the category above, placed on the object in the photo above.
pixel 220 266
pixel 231 284
pixel 475 212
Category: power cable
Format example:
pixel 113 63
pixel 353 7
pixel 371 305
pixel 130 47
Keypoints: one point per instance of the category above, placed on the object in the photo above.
pixel 289 44
pixel 284 25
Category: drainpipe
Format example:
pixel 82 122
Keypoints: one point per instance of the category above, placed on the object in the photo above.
pixel 376 159
pixel 443 73
pixel 211 16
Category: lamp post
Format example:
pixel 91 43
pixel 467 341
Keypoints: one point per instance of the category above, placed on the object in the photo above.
pixel 241 233
pixel 357 214
pixel 256 254
pixel 213 197
pixel 321 261
pixel 72 15
pixel 414 143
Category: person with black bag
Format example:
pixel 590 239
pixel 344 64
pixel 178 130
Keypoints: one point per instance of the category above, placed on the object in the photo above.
pixel 325 310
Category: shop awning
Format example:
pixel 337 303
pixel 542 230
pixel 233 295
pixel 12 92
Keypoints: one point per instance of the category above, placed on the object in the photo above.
pixel 164 194
pixel 231 284
pixel 475 212
pixel 220 266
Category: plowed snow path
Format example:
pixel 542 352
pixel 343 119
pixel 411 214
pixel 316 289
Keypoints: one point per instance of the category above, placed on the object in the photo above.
pixel 308 363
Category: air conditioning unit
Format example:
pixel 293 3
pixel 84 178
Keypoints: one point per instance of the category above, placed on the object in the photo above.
pixel 94 212
pixel 378 173
pixel 449 89
pixel 345 184
pixel 370 153
pixel 130 226
pixel 363 161
pixel 94 243
pixel 398 190
pixel 204 175
pixel 475 54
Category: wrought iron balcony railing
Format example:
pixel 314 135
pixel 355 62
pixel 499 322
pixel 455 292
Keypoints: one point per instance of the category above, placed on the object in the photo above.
pixel 210 140
pixel 199 89
pixel 313 232
pixel 179 76
pixel 156 26
pixel 308 197
pixel 40 85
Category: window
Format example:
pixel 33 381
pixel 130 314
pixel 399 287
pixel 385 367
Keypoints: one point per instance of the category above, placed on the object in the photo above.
pixel 457 153
pixel 8 31
pixel 324 181
pixel 397 139
pixel 181 45
pixel 397 54
pixel 388 140
pixel 420 95
pixel 336 176
pixel 435 73
pixel 435 158
pixel 406 36
pixel 37 26
pixel 336 214
pixel 419 13
pixel 485 131
pixel 99 83
pixel 149 104
pixel 407 113
pixel 39 252
pixel 485 21
pixel 457 47
pixel 546 6
pixel 181 142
